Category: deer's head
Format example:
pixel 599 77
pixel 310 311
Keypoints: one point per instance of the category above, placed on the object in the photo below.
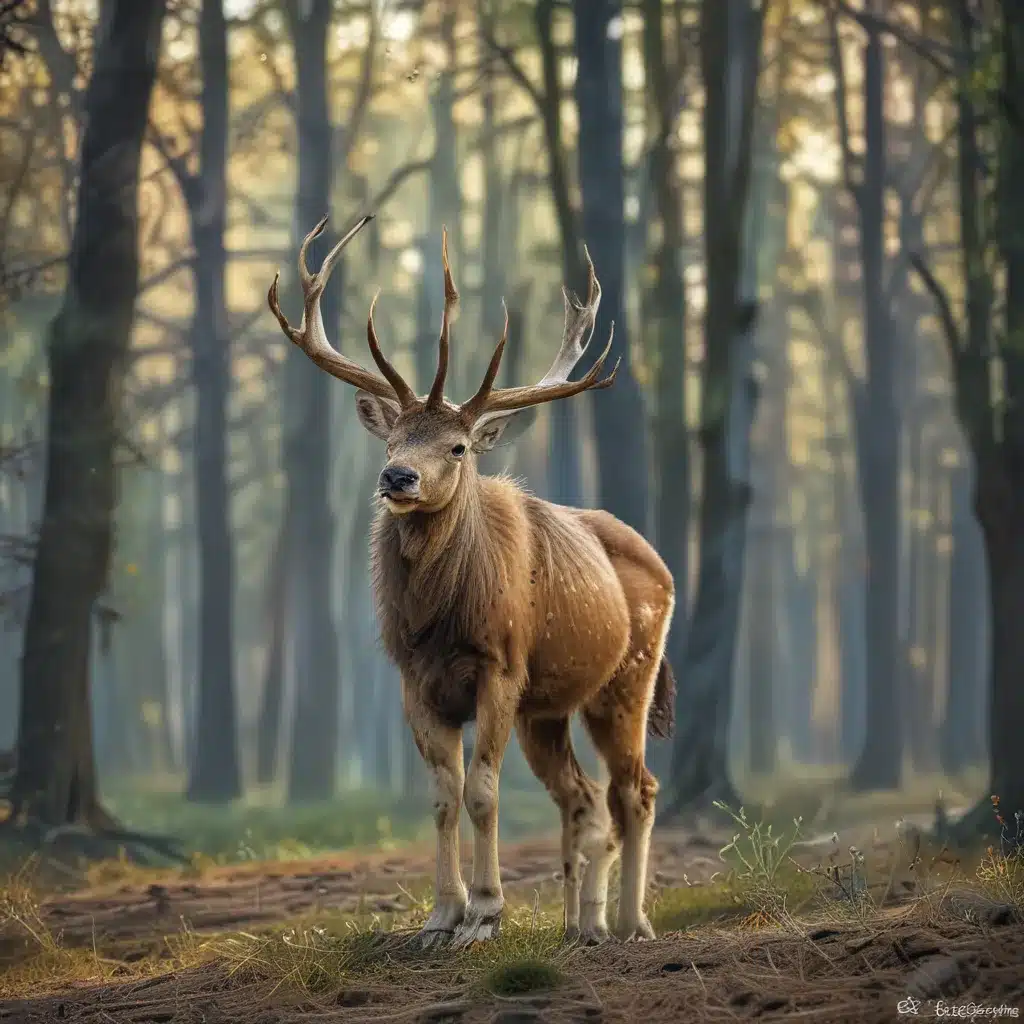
pixel 431 442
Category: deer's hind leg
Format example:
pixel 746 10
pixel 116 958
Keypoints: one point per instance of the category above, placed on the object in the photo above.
pixel 586 823
pixel 616 719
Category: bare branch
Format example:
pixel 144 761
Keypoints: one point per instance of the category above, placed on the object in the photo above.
pixel 178 166
pixel 397 179
pixel 361 105
pixel 508 58
pixel 954 339
pixel 931 50
pixel 842 107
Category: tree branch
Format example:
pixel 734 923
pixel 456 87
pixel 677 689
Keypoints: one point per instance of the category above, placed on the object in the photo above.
pixel 397 179
pixel 929 49
pixel 842 108
pixel 508 58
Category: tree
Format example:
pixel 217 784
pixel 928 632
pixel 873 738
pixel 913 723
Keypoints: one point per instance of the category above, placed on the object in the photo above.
pixel 993 423
pixel 668 305
pixel 87 351
pixel 307 440
pixel 876 417
pixel 731 34
pixel 214 772
pixel 620 421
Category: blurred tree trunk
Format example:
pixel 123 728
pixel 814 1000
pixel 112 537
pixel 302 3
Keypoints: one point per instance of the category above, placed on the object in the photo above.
pixel 877 426
pixel 1001 491
pixel 307 444
pixel 268 727
pixel 920 541
pixel 87 351
pixel 214 774
pixel 443 210
pixel 804 648
pixel 961 741
pixel 565 471
pixel 494 255
pixel 731 35
pixel 620 420
pixel 671 428
pixel 771 447
pixel 994 427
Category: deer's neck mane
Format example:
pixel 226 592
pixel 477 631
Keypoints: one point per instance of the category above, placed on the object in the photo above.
pixel 442 569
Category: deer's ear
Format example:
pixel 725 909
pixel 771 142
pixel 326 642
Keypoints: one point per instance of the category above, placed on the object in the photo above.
pixel 377 415
pixel 506 425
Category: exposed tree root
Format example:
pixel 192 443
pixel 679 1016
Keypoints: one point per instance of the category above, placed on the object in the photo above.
pixel 98 838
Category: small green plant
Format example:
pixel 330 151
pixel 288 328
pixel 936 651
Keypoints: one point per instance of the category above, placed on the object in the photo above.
pixel 522 977
pixel 845 891
pixel 756 857
pixel 1001 872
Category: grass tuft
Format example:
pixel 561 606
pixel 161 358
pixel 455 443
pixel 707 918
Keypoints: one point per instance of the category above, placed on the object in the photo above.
pixel 1001 871
pixel 522 977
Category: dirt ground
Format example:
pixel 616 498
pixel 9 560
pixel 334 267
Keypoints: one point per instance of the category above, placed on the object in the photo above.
pixel 850 969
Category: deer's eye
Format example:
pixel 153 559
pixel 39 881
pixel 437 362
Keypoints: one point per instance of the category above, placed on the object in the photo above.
pixel 459 450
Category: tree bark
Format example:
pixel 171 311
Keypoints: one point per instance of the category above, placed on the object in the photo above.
pixel 307 447
pixel 671 429
pixel 995 432
pixel 565 472
pixel 268 728
pixel 730 58
pixel 961 735
pixel 443 210
pixel 86 351
pixel 620 420
pixel 878 430
pixel 215 776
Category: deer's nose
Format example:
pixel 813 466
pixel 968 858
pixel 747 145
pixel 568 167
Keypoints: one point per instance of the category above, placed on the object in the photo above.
pixel 399 479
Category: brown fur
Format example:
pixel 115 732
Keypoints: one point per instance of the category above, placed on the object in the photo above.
pixel 503 608
pixel 568 607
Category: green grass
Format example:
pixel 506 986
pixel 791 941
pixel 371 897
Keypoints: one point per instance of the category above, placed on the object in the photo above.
pixel 527 956
pixel 262 827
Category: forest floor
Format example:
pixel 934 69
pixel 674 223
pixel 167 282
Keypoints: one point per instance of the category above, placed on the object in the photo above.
pixel 805 931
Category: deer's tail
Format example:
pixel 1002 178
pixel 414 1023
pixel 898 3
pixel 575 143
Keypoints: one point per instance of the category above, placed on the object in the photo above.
pixel 661 718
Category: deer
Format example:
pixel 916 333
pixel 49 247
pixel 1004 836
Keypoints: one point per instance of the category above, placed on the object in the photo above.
pixel 505 610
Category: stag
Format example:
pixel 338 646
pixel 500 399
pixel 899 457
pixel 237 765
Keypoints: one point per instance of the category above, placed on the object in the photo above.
pixel 508 610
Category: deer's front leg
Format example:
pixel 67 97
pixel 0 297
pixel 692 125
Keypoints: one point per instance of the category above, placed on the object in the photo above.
pixel 441 748
pixel 497 700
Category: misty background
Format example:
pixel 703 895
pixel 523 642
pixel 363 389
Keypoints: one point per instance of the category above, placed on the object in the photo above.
pixel 779 198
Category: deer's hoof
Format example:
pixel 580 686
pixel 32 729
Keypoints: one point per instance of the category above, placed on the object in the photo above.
pixel 434 938
pixel 595 935
pixel 482 922
pixel 641 932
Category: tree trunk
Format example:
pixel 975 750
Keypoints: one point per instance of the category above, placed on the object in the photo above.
pixel 443 210
pixel 764 604
pixel 731 42
pixel 268 728
pixel 87 349
pixel 1000 507
pixel 565 472
pixel 671 429
pixel 620 421
pixel 215 774
pixel 308 448
pixel 878 430
pixel 961 739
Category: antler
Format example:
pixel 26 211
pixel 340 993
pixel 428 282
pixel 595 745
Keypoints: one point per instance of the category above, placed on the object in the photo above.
pixel 451 298
pixel 580 319
pixel 311 337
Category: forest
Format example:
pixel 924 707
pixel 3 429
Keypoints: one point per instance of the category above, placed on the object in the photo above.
pixel 807 222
